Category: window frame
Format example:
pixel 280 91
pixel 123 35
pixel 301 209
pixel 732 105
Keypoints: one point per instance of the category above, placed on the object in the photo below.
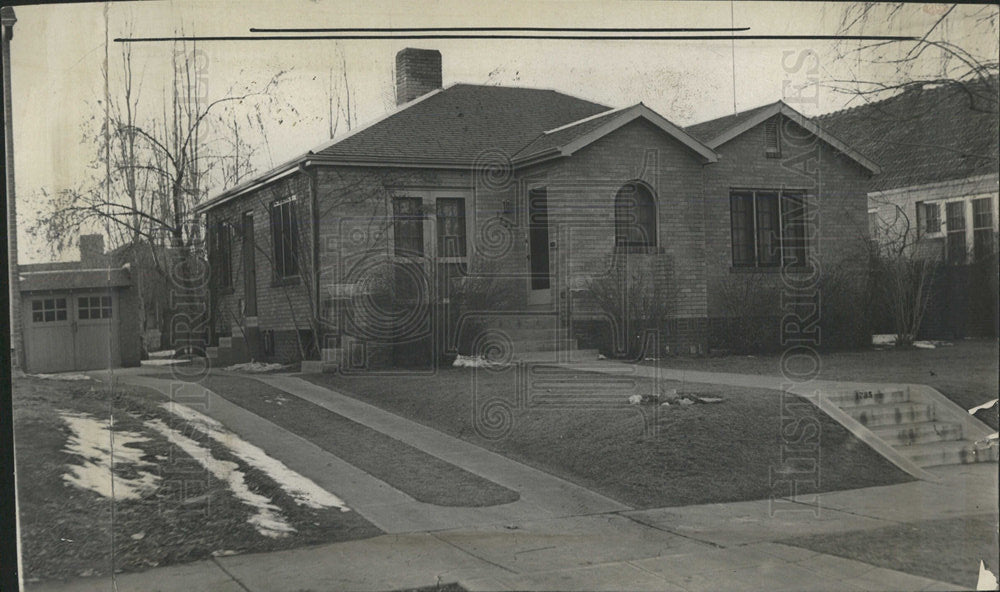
pixel 739 251
pixel 462 225
pixel 222 255
pixel 104 304
pixel 284 265
pixel 55 309
pixel 415 219
pixel 651 225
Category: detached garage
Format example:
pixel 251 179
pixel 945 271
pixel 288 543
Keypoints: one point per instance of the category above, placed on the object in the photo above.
pixel 81 318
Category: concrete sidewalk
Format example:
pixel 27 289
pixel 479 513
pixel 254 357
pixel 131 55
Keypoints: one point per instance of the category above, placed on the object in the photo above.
pixel 548 542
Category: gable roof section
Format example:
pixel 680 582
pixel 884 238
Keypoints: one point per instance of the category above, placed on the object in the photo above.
pixel 716 132
pixel 925 135
pixel 567 139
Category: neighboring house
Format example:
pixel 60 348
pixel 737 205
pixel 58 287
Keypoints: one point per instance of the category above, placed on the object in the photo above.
pixel 537 193
pixel 79 315
pixel 938 146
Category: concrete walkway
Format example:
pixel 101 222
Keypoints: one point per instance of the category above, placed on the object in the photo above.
pixel 558 536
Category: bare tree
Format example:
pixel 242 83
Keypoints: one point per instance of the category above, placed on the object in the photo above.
pixel 957 47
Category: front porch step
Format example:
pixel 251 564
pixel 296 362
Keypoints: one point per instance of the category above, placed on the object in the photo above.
pixel 894 414
pixel 900 436
pixel 858 398
pixel 317 367
pixel 949 453
pixel 332 354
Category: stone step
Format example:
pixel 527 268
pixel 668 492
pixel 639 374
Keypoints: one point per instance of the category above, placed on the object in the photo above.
pixel 894 414
pixel 845 399
pixel 948 453
pixel 900 436
pixel 544 345
pixel 556 357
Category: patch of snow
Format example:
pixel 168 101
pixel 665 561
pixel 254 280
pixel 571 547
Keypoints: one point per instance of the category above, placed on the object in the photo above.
pixel 924 345
pixel 254 367
pixel 985 405
pixel 268 519
pixel 634 399
pixel 987 580
pixel 163 353
pixel 474 362
pixel 884 339
pixel 303 490
pixel 91 442
pixel 162 362
pixel 63 376
pixel 686 401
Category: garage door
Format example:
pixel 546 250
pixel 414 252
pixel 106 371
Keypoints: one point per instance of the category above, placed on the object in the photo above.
pixel 71 332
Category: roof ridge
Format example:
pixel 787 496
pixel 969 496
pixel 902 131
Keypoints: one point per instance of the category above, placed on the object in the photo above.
pixel 586 119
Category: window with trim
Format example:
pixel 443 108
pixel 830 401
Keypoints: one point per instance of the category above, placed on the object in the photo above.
pixel 955 223
pixel 285 236
pixel 451 240
pixel 408 226
pixel 928 218
pixel 982 228
pixel 48 310
pixel 635 216
pixel 768 228
pixel 221 254
pixel 93 307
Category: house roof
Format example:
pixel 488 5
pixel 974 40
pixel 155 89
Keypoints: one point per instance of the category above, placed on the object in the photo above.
pixel 716 132
pixel 925 135
pixel 457 126
pixel 567 139
pixel 73 279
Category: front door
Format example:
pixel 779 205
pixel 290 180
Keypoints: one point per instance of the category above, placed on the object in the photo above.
pixel 538 248
pixel 249 267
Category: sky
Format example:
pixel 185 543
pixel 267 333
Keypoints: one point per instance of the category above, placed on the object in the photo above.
pixel 58 51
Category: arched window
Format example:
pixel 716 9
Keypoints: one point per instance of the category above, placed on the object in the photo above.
pixel 635 216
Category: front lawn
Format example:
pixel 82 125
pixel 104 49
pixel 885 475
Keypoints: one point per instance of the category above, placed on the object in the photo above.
pixel 948 550
pixel 424 477
pixel 965 372
pixel 581 427
pixel 168 507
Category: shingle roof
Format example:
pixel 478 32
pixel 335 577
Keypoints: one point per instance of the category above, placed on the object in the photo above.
pixel 706 131
pixel 461 122
pixel 75 279
pixel 560 136
pixel 923 136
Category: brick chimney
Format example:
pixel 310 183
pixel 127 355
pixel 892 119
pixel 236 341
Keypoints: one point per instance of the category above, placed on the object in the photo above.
pixel 92 252
pixel 418 72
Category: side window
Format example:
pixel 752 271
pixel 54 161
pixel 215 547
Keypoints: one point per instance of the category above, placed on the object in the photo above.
pixel 451 240
pixel 408 226
pixel 285 235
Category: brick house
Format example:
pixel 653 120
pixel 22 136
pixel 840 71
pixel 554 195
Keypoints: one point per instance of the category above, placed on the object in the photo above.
pixel 485 218
pixel 940 150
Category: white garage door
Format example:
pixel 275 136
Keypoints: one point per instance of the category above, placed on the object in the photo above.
pixel 71 331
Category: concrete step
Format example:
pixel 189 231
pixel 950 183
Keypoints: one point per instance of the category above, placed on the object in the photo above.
pixel 900 436
pixel 948 453
pixel 845 399
pixel 335 354
pixel 556 357
pixel 894 414
pixel 543 345
pixel 211 352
